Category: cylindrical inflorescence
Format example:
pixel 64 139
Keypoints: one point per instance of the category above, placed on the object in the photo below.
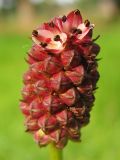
pixel 59 85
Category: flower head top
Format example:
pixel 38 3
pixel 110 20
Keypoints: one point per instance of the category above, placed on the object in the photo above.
pixel 58 34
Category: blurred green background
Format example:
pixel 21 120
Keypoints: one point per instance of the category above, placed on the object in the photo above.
pixel 101 138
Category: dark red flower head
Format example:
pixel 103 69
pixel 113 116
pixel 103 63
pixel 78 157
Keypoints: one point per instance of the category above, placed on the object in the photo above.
pixel 59 85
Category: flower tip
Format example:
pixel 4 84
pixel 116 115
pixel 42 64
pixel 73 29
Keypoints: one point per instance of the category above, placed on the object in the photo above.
pixel 77 12
pixel 92 25
pixel 35 33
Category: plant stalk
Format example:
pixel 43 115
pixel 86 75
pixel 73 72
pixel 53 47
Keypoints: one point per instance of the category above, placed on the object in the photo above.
pixel 55 153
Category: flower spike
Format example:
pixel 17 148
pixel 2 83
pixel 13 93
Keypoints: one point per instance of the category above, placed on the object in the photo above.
pixel 59 86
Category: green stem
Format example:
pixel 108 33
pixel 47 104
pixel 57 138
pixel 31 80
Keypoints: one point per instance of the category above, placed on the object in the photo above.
pixel 55 153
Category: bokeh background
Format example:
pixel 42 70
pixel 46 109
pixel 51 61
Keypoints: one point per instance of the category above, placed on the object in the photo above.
pixel 101 138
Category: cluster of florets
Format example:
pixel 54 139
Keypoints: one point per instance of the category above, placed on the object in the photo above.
pixel 59 86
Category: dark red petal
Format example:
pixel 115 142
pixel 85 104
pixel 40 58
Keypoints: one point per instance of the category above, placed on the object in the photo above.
pixel 72 21
pixel 60 82
pixel 25 108
pixel 49 65
pixel 76 75
pixel 58 23
pixel 51 124
pixel 66 57
pixel 37 109
pixel 78 110
pixel 28 92
pixel 54 136
pixel 31 124
pixel 52 27
pixel 56 105
pixel 40 67
pixel 43 36
pixel 69 97
pixel 41 138
pixel 62 117
pixel 42 121
pixel 38 52
pixel 95 49
pixel 41 88
pixel 55 81
pixel 85 88
pixel 47 102
pixel 74 135
pixel 74 18
pixel 31 77
pixel 54 65
pixel 63 139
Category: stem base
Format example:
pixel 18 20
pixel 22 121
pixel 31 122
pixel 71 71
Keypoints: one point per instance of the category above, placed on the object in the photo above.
pixel 55 153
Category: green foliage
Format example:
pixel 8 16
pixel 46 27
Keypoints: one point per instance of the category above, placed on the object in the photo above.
pixel 100 139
